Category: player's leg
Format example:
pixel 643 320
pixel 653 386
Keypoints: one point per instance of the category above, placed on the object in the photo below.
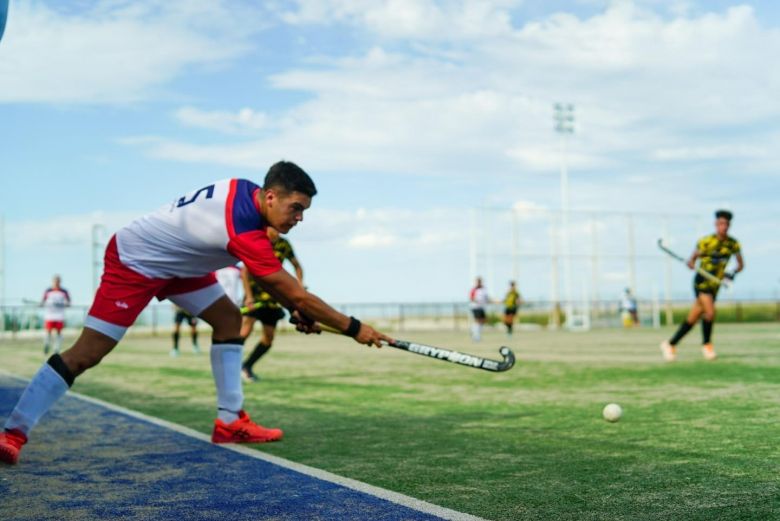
pixel 58 339
pixel 47 386
pixel 669 347
pixel 177 320
pixel 476 326
pixel 194 335
pixel 232 425
pixel 247 323
pixel 707 304
pixel 47 339
pixel 511 320
pixel 270 317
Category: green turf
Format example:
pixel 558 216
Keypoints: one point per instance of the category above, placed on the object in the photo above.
pixel 698 440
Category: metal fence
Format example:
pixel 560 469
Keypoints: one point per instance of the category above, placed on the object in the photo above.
pixel 157 319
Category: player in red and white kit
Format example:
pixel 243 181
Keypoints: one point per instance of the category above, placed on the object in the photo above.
pixel 172 253
pixel 55 300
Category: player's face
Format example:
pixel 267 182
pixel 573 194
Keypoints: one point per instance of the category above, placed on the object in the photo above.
pixel 722 226
pixel 285 210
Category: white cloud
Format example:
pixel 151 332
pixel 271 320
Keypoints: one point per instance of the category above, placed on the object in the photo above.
pixel 114 52
pixel 644 85
pixel 246 120
pixel 698 153
pixel 372 240
pixel 65 229
pixel 416 19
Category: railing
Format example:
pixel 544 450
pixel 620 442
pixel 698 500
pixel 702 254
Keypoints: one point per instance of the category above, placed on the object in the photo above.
pixel 158 318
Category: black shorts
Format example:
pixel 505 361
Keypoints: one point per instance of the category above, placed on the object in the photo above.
pixel 478 313
pixel 510 311
pixel 181 316
pixel 702 285
pixel 268 316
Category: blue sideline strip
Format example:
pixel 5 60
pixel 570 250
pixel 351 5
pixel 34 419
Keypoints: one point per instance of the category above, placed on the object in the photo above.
pixel 86 461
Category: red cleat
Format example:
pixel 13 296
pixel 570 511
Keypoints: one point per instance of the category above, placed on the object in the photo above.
pixel 243 430
pixel 11 442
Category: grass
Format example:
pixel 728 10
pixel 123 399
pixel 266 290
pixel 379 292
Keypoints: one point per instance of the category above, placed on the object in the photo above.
pixel 698 440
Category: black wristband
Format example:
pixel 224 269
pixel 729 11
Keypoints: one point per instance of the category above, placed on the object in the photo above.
pixel 353 328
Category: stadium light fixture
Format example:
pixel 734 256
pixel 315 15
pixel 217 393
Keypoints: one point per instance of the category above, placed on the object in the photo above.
pixel 563 115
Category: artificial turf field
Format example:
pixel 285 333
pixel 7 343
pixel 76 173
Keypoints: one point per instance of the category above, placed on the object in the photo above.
pixel 698 440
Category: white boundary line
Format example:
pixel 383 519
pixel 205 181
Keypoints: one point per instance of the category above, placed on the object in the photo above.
pixel 389 495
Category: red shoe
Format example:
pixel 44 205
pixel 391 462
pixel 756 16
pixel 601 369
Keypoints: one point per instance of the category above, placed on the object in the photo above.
pixel 11 442
pixel 243 430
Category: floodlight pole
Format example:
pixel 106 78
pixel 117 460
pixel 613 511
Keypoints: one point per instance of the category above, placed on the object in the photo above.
pixel 564 125
pixel 97 231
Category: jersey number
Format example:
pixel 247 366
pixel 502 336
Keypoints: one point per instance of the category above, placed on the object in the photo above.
pixel 209 194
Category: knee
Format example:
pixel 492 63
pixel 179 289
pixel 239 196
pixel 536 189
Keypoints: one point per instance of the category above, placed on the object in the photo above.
pixel 228 326
pixel 709 316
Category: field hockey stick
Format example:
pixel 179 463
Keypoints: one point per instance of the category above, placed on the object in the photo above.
pixel 246 309
pixel 707 275
pixel 447 355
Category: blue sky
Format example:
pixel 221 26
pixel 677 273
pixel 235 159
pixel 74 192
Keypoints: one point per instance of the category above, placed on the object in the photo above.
pixel 408 115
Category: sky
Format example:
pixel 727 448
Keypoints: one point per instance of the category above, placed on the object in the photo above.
pixel 425 124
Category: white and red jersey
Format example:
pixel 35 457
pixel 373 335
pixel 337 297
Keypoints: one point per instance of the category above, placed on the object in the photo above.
pixel 54 303
pixel 201 232
pixel 230 280
pixel 479 297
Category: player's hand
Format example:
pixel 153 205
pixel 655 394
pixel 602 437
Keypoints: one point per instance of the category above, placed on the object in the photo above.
pixel 304 324
pixel 249 301
pixel 691 264
pixel 728 279
pixel 371 337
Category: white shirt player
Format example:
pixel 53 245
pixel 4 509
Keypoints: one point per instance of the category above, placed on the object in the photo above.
pixel 54 303
pixel 479 297
pixel 199 233
pixel 230 280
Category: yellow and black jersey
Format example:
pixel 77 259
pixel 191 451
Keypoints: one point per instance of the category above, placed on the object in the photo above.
pixel 283 251
pixel 714 255
pixel 511 299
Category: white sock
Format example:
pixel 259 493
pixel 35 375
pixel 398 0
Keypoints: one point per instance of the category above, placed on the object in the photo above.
pixel 58 343
pixel 45 388
pixel 226 368
pixel 476 332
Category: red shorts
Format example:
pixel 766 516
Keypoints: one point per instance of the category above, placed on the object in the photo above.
pixel 124 293
pixel 48 325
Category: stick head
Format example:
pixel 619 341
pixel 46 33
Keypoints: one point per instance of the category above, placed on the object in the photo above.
pixel 509 359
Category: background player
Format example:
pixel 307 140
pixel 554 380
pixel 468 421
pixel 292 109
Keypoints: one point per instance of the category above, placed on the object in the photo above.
pixel 713 252
pixel 479 299
pixel 181 315
pixel 262 306
pixel 55 300
pixel 230 280
pixel 512 301
pixel 161 255
pixel 629 313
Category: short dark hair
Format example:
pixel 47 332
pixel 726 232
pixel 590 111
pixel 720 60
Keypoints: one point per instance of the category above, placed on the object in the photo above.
pixel 289 177
pixel 723 214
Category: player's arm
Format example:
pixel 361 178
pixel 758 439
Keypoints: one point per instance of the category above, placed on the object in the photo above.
pixel 255 250
pixel 298 269
pixel 292 295
pixel 740 263
pixel 67 298
pixel 692 261
pixel 248 297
